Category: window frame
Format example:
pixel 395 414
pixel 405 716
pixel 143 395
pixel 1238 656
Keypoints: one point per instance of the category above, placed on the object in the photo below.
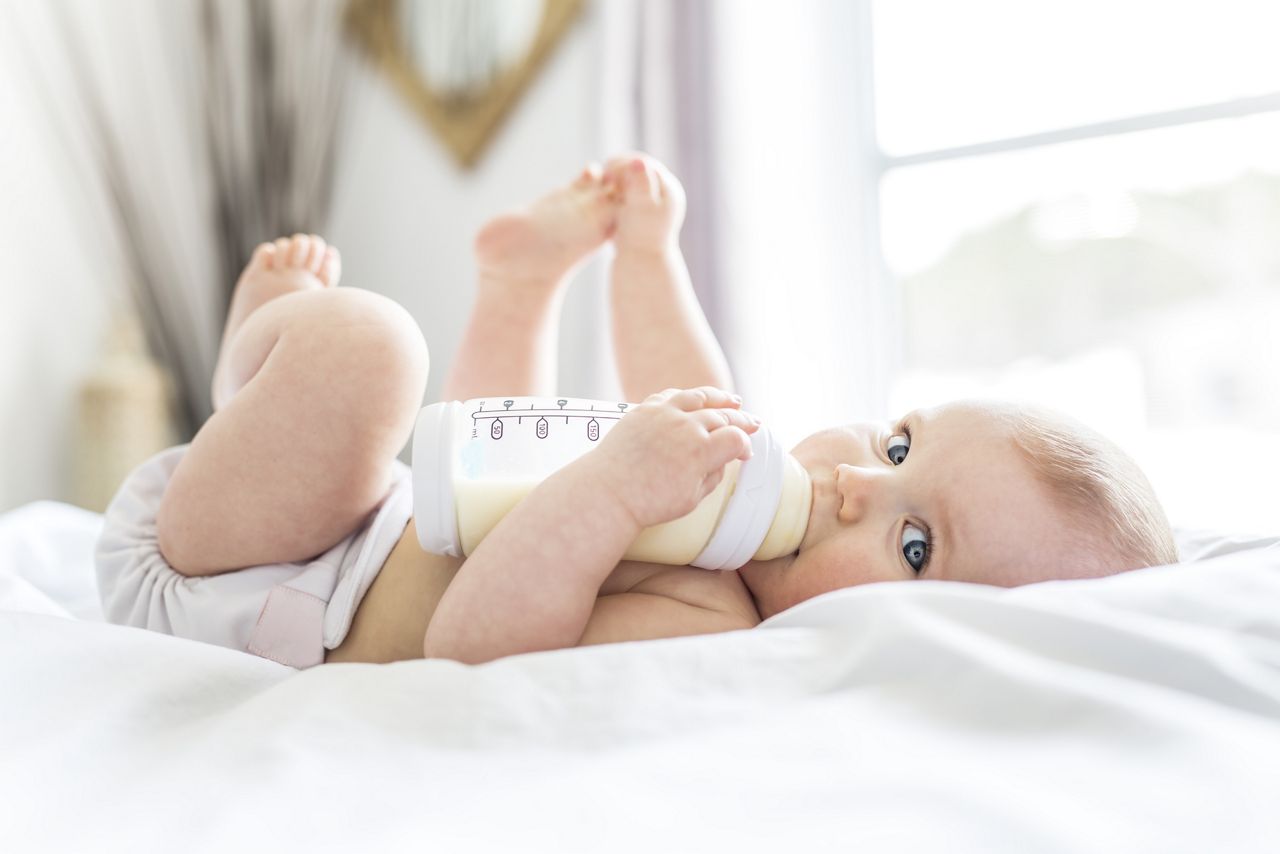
pixel 879 163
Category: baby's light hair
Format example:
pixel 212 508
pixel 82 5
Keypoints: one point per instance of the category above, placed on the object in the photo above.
pixel 1099 487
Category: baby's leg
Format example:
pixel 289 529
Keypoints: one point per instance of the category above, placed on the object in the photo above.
pixel 525 260
pixel 315 391
pixel 661 337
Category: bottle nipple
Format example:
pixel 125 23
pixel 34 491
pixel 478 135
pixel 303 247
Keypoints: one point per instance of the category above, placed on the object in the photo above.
pixel 792 519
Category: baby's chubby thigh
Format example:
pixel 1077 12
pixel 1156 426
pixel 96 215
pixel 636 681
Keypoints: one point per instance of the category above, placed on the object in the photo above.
pixel 303 452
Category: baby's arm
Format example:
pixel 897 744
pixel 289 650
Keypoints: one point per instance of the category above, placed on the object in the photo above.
pixel 533 582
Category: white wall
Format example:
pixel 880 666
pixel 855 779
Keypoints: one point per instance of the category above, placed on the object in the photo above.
pixel 405 216
pixel 404 220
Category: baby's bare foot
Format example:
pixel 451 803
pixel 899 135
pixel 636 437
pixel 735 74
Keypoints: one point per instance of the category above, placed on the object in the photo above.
pixel 297 263
pixel 547 239
pixel 651 202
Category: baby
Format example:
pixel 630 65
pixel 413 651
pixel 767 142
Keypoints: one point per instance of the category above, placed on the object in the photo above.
pixel 285 527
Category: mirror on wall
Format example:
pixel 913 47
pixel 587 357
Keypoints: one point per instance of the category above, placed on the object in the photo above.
pixel 461 64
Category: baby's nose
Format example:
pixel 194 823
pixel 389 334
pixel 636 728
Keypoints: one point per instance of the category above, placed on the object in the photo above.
pixel 857 488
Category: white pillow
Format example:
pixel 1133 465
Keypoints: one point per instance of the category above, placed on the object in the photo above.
pixel 1195 544
pixel 47 547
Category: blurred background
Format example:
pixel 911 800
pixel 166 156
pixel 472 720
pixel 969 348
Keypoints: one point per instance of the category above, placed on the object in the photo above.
pixel 892 203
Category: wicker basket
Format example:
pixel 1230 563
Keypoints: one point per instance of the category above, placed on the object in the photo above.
pixel 124 415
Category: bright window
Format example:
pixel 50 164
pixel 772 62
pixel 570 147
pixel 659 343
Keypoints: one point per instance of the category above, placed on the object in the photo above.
pixel 1080 205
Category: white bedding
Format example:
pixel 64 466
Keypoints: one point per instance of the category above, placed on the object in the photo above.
pixel 1130 714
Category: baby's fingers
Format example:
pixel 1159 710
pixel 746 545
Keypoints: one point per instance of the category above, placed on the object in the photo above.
pixel 702 397
pixel 725 445
pixel 714 419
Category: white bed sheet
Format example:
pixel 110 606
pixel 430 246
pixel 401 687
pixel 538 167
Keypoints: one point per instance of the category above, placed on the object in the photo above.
pixel 1135 713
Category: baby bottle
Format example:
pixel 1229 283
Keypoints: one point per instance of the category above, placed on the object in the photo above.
pixel 473 461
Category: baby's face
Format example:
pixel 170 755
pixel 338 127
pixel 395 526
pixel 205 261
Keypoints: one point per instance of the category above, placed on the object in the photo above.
pixel 958 480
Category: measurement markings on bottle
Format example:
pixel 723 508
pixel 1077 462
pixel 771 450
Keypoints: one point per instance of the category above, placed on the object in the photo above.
pixel 542 426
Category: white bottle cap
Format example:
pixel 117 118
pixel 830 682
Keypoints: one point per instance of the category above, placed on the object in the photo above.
pixel 751 508
pixel 434 509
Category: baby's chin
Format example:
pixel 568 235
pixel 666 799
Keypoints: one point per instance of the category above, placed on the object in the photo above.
pixel 763 579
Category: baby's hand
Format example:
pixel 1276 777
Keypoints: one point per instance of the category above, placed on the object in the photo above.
pixel 668 453
pixel 651 202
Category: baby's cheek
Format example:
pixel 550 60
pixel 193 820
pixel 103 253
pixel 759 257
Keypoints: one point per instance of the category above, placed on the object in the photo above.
pixel 835 566
pixel 864 559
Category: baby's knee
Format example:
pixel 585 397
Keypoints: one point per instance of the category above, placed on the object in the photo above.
pixel 373 329
pixel 392 326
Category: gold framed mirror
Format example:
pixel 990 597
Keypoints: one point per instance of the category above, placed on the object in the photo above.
pixel 461 64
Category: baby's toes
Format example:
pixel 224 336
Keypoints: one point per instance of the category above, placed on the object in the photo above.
pixel 262 257
pixel 641 182
pixel 591 174
pixel 315 253
pixel 615 172
pixel 280 258
pixel 330 267
pixel 668 184
pixel 614 165
pixel 299 248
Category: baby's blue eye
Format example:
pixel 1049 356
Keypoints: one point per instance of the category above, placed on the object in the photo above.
pixel 915 547
pixel 898 447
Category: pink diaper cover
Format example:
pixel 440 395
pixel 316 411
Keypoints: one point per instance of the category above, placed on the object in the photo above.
pixel 286 612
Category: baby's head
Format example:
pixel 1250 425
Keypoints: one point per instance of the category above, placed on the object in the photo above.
pixel 979 491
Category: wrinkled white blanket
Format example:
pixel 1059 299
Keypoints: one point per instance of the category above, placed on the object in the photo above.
pixel 1131 714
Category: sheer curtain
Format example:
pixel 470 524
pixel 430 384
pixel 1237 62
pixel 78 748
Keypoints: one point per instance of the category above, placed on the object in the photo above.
pixel 187 133
pixel 757 107
pixel 659 85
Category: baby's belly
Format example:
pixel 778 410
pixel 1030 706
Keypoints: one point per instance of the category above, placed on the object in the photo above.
pixel 392 619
